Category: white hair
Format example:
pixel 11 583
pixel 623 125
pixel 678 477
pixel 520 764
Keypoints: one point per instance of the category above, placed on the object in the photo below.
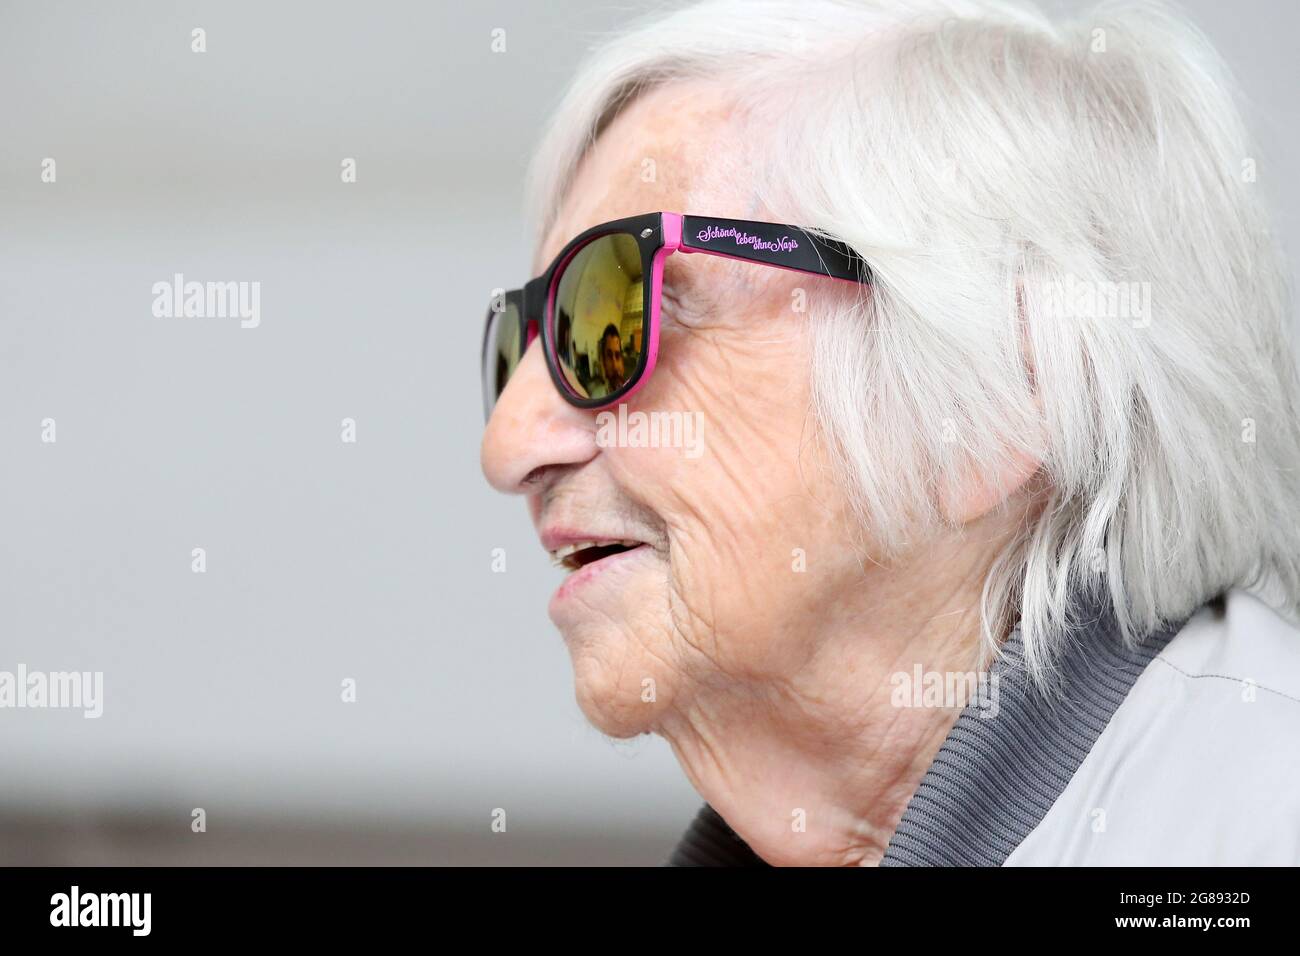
pixel 1071 261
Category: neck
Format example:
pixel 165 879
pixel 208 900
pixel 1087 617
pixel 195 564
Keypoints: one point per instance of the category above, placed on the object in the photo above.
pixel 816 767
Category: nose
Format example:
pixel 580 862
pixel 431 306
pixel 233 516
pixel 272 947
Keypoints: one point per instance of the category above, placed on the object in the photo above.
pixel 532 427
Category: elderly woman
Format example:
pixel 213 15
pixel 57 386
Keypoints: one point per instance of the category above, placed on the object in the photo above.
pixel 988 552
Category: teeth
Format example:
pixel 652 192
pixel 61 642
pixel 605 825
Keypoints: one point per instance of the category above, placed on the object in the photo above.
pixel 559 554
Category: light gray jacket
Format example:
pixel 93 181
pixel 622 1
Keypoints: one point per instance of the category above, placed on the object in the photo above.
pixel 1183 752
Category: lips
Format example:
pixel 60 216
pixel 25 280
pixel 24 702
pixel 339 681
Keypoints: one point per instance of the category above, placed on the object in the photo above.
pixel 588 557
pixel 579 554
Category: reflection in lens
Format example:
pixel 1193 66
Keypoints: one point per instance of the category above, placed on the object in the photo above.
pixel 599 320
pixel 502 354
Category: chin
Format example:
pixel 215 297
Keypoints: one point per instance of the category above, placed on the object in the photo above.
pixel 611 678
pixel 617 642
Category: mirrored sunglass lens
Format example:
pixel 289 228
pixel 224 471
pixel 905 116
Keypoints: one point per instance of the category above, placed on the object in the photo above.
pixel 503 353
pixel 598 318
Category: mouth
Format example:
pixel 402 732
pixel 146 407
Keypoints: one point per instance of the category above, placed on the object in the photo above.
pixel 580 554
pixel 596 566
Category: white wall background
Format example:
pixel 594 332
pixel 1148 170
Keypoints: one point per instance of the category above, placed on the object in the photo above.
pixel 325 560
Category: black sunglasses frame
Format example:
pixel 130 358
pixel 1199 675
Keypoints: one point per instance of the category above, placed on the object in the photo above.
pixel 658 235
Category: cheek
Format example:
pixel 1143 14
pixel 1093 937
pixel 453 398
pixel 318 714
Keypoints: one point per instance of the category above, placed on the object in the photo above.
pixel 748 538
pixel 747 574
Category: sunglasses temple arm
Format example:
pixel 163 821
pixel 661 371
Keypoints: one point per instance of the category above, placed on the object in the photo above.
pixel 773 244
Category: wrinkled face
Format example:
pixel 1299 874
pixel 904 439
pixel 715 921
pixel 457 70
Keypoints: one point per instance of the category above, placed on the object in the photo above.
pixel 695 568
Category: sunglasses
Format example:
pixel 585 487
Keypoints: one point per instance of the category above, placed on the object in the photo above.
pixel 597 306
